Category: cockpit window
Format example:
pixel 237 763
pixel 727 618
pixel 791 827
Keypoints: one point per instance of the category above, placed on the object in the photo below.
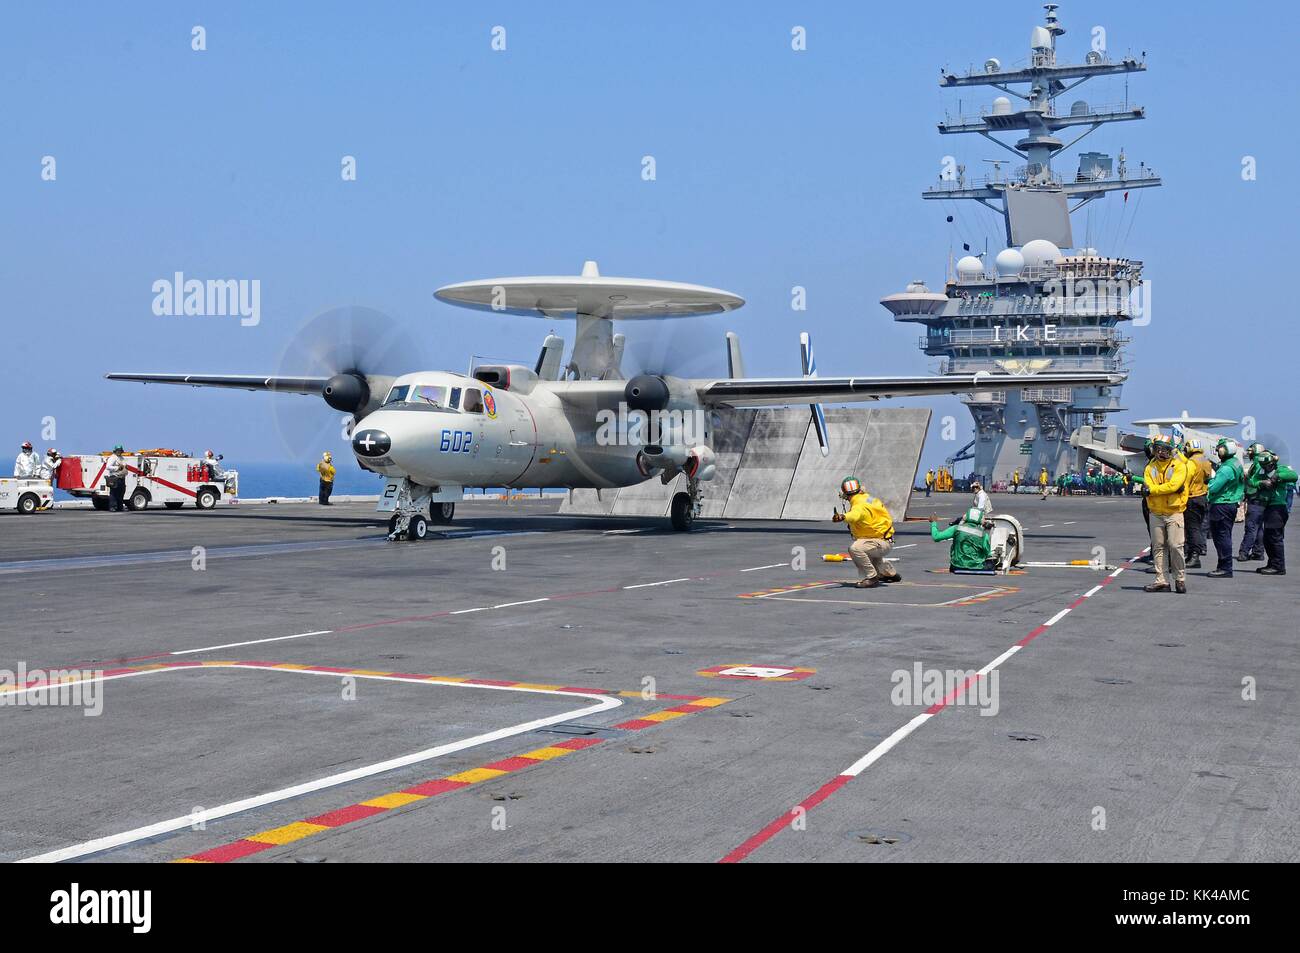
pixel 454 403
pixel 397 394
pixel 473 401
pixel 434 394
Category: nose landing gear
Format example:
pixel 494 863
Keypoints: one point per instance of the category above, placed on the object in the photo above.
pixel 409 521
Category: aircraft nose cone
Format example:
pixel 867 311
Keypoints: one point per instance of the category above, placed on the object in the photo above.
pixel 371 443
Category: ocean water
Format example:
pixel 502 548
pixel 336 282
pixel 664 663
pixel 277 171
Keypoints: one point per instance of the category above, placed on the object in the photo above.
pixel 257 480
pixel 291 479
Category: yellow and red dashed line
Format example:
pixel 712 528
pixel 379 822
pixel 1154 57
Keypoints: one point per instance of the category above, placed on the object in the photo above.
pixel 331 820
pixel 983 596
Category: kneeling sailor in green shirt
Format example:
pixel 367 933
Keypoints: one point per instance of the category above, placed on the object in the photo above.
pixel 970 540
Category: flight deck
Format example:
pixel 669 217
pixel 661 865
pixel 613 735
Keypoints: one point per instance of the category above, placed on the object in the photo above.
pixel 280 683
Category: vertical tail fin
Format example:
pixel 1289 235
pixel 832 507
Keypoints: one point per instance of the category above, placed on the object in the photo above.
pixel 548 361
pixel 809 362
pixel 735 363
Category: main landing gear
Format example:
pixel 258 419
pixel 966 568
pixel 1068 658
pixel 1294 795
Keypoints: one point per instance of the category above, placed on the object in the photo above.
pixel 686 507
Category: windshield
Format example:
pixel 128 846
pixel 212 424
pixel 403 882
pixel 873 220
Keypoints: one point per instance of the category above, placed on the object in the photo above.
pixel 397 394
pixel 429 394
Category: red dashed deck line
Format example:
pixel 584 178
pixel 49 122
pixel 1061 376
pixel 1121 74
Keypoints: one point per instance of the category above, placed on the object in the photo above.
pixel 774 828
pixel 359 626
pixel 752 843
pixel 332 820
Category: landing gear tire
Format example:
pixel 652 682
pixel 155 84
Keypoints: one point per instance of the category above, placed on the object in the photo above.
pixel 139 501
pixel 417 530
pixel 206 499
pixel 28 504
pixel 172 505
pixel 682 512
pixel 442 512
pixel 99 503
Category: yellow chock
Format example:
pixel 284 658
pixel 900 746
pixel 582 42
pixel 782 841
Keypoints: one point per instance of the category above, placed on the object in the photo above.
pixel 835 557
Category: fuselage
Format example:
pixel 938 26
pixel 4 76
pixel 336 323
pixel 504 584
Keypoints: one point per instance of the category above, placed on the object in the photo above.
pixel 441 428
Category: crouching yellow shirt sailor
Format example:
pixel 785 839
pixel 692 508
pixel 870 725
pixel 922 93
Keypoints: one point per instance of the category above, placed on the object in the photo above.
pixel 873 537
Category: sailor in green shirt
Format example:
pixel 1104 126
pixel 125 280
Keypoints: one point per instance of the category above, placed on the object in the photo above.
pixel 970 540
pixel 1224 493
pixel 1276 480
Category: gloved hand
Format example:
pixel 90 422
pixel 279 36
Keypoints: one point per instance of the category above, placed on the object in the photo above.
pixel 837 517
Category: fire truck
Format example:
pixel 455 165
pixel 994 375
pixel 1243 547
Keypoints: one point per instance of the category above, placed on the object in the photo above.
pixel 169 477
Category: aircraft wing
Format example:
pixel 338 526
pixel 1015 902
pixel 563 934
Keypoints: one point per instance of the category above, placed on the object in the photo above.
pixel 283 385
pixel 764 391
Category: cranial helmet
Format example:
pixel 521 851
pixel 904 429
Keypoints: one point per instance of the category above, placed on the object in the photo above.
pixel 1226 447
pixel 850 486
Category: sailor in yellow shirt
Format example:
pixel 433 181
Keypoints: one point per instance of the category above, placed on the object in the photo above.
pixel 326 470
pixel 873 535
pixel 1167 486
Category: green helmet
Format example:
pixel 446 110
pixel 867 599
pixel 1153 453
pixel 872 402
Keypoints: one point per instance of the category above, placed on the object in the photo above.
pixel 974 516
pixel 850 486
pixel 1254 450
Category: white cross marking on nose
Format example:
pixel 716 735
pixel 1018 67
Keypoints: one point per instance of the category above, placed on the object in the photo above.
pixel 369 442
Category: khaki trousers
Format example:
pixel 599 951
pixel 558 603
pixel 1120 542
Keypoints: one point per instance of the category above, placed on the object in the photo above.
pixel 1167 544
pixel 869 556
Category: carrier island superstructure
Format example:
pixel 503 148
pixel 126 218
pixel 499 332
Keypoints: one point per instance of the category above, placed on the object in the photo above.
pixel 1042 302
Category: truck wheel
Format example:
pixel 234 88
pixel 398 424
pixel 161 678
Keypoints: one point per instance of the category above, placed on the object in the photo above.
pixel 139 501
pixel 683 514
pixel 99 503
pixel 418 529
pixel 28 503
pixel 172 505
pixel 442 512
pixel 206 499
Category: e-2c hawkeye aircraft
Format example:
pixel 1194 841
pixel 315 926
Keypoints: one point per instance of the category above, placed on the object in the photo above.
pixel 577 425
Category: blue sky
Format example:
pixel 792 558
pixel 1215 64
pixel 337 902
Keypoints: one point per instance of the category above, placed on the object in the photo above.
pixel 774 168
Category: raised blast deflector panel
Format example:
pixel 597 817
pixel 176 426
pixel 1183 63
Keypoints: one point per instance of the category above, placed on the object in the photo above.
pixel 816 480
pixel 770 467
pixel 880 446
pixel 729 439
pixel 585 502
pixel 891 452
pixel 767 464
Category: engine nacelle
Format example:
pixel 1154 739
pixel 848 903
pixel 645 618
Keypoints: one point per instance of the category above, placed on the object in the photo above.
pixel 701 463
pixel 698 463
pixel 347 392
pixel 646 392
